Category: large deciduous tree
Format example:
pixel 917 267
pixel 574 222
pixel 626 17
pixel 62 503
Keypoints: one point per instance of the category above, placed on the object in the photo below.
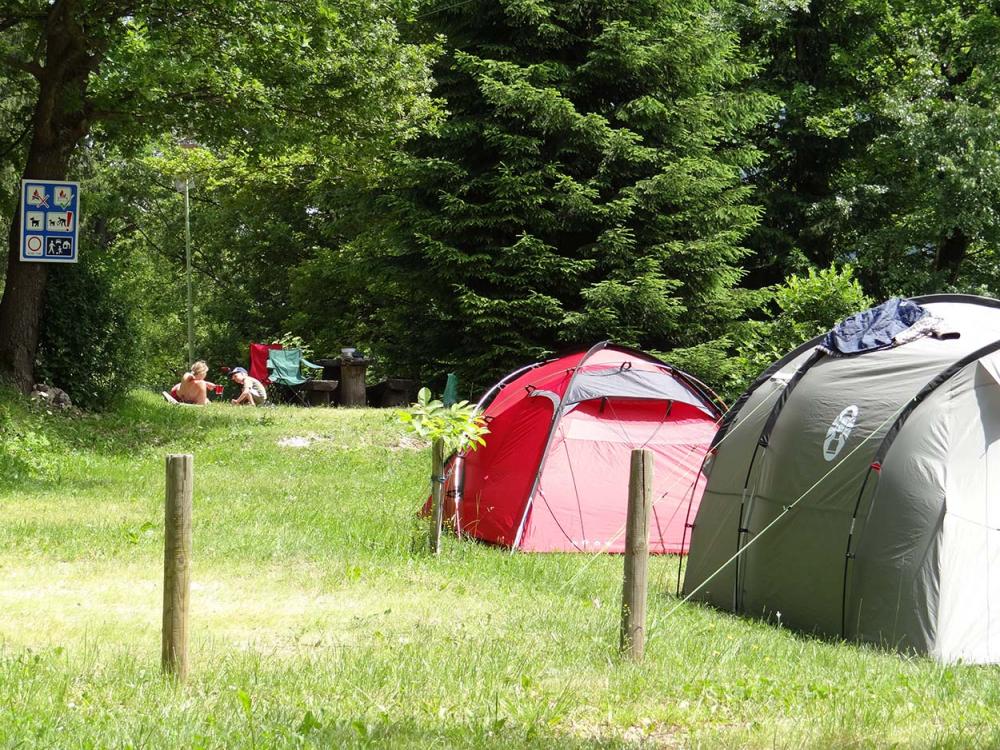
pixel 250 75
pixel 884 153
pixel 587 184
pixel 825 60
pixel 917 206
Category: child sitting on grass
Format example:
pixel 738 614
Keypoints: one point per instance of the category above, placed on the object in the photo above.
pixel 253 394
pixel 193 388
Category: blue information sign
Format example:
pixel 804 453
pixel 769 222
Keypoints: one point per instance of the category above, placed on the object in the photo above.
pixel 50 221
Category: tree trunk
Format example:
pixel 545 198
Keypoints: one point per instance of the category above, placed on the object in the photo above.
pixel 58 124
pixel 951 252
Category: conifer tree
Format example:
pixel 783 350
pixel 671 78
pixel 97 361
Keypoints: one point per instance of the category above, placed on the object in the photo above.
pixel 588 183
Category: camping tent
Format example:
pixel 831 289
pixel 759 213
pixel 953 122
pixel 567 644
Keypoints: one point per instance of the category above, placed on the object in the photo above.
pixel 855 488
pixel 553 475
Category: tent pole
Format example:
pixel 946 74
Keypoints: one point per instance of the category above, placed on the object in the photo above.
pixel 520 527
pixel 556 415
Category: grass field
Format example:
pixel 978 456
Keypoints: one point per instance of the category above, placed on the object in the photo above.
pixel 319 621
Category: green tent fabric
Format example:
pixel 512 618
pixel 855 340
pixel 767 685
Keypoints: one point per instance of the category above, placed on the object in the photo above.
pixel 857 496
pixel 450 390
pixel 285 367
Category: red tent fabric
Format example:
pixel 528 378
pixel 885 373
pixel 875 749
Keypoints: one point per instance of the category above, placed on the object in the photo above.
pixel 553 475
pixel 258 361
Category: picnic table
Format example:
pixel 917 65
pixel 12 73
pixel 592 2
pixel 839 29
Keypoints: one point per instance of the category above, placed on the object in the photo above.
pixel 349 372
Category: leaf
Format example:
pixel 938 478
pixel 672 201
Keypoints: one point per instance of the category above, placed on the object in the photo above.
pixel 361 728
pixel 244 698
pixel 308 724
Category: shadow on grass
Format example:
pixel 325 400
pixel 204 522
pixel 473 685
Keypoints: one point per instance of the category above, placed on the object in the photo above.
pixel 141 420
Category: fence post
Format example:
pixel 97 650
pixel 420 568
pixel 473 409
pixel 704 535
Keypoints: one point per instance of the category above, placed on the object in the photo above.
pixel 177 564
pixel 437 493
pixel 640 493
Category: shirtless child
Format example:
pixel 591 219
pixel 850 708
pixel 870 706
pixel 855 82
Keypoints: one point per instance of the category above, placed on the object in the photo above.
pixel 193 388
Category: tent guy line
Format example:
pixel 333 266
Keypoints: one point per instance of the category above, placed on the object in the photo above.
pixel 594 555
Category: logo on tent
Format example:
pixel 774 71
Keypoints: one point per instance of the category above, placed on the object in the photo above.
pixel 839 431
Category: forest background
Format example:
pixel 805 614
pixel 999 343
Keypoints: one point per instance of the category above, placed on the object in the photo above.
pixel 467 185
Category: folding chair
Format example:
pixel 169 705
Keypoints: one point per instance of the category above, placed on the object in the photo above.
pixel 258 361
pixel 285 369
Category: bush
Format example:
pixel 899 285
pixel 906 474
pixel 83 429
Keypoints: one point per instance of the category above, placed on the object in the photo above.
pixel 90 344
pixel 23 443
pixel 800 309
pixel 807 306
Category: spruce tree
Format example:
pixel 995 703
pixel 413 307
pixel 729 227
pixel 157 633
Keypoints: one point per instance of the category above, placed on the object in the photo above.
pixel 588 183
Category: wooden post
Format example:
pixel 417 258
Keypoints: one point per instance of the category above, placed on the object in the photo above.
pixel 177 564
pixel 437 494
pixel 352 382
pixel 640 495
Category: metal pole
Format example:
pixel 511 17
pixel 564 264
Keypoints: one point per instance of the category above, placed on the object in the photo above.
pixel 437 494
pixel 187 261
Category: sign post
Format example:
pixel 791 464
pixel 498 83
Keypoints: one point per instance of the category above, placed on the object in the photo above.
pixel 50 221
pixel 183 185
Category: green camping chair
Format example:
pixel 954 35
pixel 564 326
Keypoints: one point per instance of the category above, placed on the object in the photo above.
pixel 284 367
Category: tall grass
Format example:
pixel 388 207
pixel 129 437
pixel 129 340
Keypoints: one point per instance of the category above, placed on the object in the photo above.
pixel 319 621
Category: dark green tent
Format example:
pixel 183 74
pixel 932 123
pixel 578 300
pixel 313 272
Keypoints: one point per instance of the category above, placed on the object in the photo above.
pixel 857 493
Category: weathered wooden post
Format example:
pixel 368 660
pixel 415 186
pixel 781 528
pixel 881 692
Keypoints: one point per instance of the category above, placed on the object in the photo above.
pixel 352 381
pixel 437 494
pixel 640 492
pixel 177 564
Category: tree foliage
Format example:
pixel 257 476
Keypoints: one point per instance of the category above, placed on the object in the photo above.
pixel 918 205
pixel 682 177
pixel 787 314
pixel 250 77
pixel 587 184
pixel 93 351
pixel 884 152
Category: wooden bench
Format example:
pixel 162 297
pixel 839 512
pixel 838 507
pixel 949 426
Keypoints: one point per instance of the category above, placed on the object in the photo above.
pixel 320 392
pixel 393 392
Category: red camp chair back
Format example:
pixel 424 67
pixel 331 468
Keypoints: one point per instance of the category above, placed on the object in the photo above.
pixel 258 361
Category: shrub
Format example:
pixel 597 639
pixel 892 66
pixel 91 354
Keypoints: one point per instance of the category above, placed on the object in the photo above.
pixel 23 444
pixel 458 425
pixel 89 345
pixel 807 306
pixel 800 309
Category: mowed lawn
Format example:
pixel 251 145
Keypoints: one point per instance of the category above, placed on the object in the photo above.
pixel 318 620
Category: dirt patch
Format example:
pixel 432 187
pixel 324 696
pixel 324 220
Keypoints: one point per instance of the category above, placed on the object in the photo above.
pixel 646 734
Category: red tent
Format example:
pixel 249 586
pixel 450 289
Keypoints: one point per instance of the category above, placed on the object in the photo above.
pixel 553 475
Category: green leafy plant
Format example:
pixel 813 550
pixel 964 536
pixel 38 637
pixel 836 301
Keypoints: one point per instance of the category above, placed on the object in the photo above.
pixel 24 447
pixel 793 312
pixel 807 305
pixel 291 341
pixel 458 425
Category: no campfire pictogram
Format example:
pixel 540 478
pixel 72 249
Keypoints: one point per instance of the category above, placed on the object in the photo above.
pixel 37 195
